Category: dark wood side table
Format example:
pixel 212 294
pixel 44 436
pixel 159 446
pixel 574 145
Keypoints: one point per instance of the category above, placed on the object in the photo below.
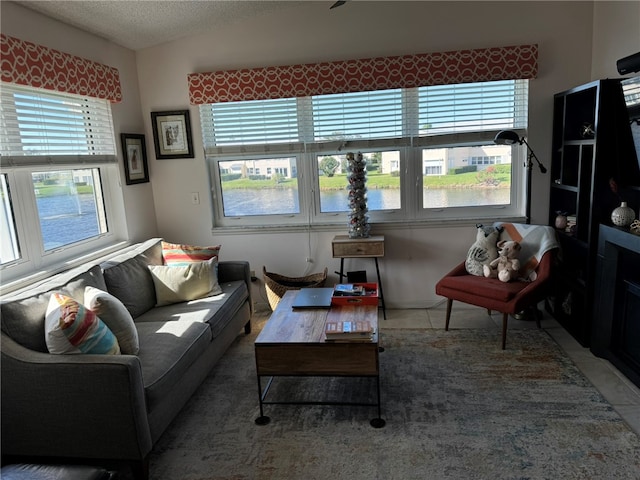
pixel 371 247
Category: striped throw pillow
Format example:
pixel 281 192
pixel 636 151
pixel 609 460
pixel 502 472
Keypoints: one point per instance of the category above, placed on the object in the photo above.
pixel 70 327
pixel 175 254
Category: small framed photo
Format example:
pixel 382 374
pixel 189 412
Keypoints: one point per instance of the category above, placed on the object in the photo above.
pixel 135 158
pixel 172 134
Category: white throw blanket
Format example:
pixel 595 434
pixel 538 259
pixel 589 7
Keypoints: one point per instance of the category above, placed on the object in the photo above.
pixel 535 241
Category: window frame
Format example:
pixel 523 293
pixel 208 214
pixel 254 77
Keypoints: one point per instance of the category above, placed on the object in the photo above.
pixel 34 261
pixel 410 152
pixel 33 256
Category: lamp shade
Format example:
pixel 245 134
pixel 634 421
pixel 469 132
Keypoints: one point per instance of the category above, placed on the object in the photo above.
pixel 507 137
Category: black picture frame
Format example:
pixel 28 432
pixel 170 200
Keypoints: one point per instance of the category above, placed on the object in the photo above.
pixel 172 134
pixel 134 154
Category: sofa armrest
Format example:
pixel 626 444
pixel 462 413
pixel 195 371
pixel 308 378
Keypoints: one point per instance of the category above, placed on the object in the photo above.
pixel 230 270
pixel 90 406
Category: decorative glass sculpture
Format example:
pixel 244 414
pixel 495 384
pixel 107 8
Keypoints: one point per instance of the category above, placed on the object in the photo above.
pixel 357 176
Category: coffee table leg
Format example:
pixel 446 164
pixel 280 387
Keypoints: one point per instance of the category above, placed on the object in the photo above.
pixel 262 419
pixel 378 422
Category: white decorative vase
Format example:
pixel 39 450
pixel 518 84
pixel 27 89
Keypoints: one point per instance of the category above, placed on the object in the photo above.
pixel 561 221
pixel 623 216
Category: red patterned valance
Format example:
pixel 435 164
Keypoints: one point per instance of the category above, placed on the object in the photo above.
pixel 407 71
pixel 26 63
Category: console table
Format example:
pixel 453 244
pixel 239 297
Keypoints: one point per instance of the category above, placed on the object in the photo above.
pixel 370 247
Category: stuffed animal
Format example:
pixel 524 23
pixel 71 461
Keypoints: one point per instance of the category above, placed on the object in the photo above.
pixel 506 266
pixel 484 249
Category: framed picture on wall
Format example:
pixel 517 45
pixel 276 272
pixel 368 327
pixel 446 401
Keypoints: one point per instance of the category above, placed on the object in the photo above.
pixel 135 158
pixel 172 134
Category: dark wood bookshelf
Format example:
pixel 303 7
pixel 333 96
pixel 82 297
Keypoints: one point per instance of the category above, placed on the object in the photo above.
pixel 591 144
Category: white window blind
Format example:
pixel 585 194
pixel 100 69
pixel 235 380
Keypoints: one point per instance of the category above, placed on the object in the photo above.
pixel 378 115
pixel 473 107
pixel 39 126
pixel 361 115
pixel 249 123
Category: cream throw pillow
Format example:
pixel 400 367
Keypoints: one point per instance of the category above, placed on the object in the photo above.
pixel 182 283
pixel 116 316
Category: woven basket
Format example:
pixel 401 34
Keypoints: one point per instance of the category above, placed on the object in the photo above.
pixel 277 285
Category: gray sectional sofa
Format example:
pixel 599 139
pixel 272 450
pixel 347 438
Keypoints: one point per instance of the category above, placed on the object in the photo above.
pixel 93 406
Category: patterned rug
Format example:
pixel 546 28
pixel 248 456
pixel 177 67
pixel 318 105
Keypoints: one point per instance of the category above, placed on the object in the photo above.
pixel 455 405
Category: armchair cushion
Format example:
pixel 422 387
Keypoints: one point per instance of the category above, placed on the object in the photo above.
pixel 486 287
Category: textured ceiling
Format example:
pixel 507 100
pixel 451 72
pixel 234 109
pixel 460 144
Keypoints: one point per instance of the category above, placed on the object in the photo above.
pixel 138 24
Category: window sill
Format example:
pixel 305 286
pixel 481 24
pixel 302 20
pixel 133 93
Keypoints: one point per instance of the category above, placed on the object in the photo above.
pixel 32 280
pixel 378 226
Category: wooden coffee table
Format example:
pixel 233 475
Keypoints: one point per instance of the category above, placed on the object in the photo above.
pixel 292 343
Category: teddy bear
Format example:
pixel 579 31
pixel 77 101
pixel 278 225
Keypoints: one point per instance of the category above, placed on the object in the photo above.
pixel 484 250
pixel 506 266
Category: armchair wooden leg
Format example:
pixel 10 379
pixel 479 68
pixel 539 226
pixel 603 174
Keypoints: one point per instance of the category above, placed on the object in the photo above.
pixel 449 303
pixel 505 317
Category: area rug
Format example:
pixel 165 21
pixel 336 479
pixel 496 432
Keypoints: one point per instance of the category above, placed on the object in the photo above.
pixel 455 405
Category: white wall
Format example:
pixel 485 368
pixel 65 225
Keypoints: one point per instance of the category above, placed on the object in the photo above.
pixel 616 34
pixel 136 200
pixel 416 257
pixel 305 32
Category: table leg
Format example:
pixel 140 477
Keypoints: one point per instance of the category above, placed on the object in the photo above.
pixel 378 422
pixel 263 419
pixel 384 309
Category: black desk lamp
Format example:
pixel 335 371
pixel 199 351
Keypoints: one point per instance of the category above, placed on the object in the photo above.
pixel 509 137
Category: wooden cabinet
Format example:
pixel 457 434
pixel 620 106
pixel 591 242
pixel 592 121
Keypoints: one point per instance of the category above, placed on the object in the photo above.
pixel 616 325
pixel 591 145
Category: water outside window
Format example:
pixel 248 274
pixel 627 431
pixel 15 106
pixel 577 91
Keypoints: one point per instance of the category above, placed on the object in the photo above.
pixel 266 186
pixel 383 182
pixel 70 206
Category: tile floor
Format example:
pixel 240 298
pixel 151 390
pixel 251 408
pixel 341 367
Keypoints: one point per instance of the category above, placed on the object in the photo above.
pixel 613 385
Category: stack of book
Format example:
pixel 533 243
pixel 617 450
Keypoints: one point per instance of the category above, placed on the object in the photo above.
pixel 348 290
pixel 571 224
pixel 355 331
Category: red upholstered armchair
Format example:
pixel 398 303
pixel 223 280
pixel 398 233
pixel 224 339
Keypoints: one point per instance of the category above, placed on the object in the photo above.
pixel 539 246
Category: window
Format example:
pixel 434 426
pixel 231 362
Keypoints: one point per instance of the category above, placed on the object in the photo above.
pixel 429 150
pixel 9 247
pixel 58 161
pixel 70 206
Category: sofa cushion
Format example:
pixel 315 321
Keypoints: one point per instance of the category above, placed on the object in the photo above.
pixel 167 351
pixel 217 311
pixel 22 314
pixel 174 284
pixel 73 328
pixel 131 283
pixel 178 254
pixel 115 315
pixel 128 279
